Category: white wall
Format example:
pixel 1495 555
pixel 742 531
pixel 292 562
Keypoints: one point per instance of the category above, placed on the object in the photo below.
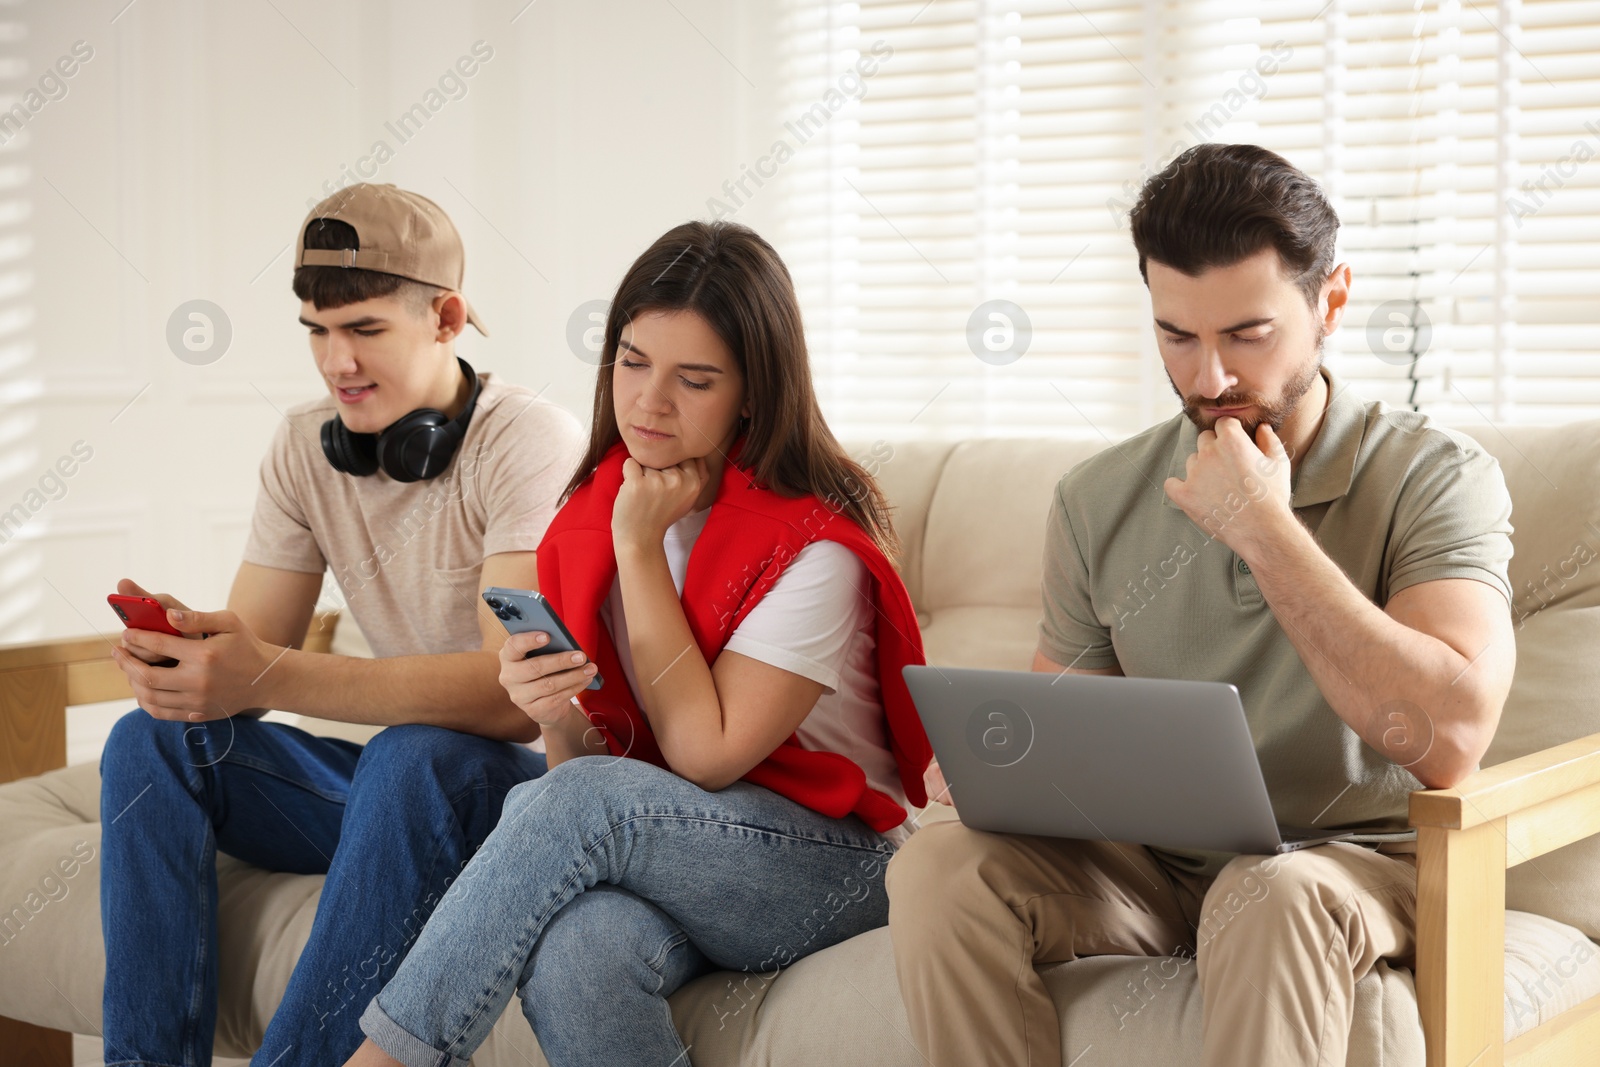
pixel 179 164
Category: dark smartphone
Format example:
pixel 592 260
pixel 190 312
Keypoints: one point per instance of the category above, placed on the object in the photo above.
pixel 522 611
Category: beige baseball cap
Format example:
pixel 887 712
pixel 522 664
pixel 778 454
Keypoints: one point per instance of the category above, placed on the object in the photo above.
pixel 398 232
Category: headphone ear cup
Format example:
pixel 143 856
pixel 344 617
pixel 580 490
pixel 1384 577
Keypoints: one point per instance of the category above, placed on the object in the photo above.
pixel 349 453
pixel 416 447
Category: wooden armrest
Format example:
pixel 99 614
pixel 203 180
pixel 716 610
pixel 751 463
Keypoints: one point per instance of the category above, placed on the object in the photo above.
pixel 1511 787
pixel 1467 837
pixel 37 683
pixel 41 679
pixel 1543 800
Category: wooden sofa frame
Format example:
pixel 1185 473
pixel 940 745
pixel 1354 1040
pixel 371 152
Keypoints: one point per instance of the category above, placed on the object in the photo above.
pixel 1466 839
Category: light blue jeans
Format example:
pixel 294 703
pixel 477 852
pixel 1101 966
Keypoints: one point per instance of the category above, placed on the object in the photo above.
pixel 609 883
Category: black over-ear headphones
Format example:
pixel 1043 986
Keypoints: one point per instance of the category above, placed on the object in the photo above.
pixel 416 446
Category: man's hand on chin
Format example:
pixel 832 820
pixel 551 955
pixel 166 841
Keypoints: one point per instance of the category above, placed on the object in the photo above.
pixel 1235 489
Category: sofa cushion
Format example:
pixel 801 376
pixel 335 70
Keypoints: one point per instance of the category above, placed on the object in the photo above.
pixel 842 1006
pixel 985 535
pixel 1550 967
pixel 994 637
pixel 54 967
pixel 907 472
pixel 52 959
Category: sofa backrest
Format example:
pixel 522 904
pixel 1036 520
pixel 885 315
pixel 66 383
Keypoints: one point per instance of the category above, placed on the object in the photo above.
pixel 970 515
pixel 1553 474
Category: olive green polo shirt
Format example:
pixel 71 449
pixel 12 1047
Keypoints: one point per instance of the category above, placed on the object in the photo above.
pixel 1131 581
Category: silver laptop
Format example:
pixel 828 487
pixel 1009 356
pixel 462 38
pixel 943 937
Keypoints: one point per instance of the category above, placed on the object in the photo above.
pixel 1142 760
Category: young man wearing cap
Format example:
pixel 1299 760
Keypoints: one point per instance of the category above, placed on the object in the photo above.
pixel 1341 563
pixel 417 483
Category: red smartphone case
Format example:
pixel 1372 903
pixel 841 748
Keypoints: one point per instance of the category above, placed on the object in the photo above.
pixel 141 613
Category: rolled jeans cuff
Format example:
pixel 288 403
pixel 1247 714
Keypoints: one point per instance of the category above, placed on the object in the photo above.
pixel 400 1043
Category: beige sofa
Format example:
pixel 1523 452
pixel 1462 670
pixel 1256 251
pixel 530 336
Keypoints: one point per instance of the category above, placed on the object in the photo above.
pixel 971 515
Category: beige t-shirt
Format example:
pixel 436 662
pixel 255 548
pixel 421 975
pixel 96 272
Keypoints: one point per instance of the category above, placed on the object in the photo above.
pixel 407 555
pixel 1131 580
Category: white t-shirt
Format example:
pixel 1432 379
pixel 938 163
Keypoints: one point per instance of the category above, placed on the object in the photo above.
pixel 816 621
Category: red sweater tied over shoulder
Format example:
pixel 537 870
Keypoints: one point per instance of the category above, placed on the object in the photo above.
pixel 751 535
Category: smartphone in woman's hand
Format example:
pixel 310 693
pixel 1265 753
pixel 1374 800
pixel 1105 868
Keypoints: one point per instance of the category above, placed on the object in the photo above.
pixel 524 611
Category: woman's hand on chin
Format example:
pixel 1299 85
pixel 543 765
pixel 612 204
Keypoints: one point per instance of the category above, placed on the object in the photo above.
pixel 651 500
pixel 543 686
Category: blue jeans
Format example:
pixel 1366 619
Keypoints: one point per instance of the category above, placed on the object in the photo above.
pixel 390 824
pixel 607 885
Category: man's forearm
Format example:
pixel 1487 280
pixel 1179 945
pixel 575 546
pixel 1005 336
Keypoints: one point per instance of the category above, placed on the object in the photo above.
pixel 1395 686
pixel 458 690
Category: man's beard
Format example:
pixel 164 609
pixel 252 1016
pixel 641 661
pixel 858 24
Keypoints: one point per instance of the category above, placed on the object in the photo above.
pixel 1269 412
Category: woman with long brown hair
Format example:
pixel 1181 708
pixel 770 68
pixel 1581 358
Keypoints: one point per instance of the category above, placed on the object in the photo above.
pixel 730 794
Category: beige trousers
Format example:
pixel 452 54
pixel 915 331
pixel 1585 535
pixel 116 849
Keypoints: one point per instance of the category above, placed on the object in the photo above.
pixel 1281 940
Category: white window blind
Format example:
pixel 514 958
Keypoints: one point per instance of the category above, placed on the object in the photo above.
pixel 994 150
